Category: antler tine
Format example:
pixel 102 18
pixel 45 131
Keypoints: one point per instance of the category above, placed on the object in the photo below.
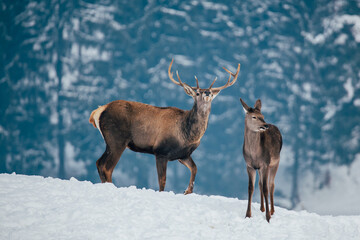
pixel 213 82
pixel 228 84
pixel 171 75
pixel 197 83
pixel 229 72
pixel 180 83
pixel 236 75
pixel 177 74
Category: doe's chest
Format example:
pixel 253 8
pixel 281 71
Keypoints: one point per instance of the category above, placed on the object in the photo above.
pixel 255 156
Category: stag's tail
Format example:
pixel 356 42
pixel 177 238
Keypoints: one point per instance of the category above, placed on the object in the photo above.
pixel 91 119
pixel 95 116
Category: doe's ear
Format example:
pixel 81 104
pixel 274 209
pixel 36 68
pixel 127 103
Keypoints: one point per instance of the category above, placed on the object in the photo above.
pixel 258 105
pixel 245 106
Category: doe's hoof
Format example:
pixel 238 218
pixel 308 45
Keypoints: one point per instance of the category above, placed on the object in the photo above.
pixel 187 191
pixel 268 216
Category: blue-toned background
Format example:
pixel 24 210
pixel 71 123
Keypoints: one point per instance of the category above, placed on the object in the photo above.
pixel 61 59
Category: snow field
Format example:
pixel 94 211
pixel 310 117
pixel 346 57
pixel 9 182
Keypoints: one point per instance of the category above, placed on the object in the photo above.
pixel 33 207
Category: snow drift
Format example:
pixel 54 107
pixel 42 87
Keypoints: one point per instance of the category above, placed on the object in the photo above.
pixel 33 207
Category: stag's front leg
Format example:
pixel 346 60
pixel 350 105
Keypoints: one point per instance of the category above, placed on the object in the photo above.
pixel 161 165
pixel 252 175
pixel 189 163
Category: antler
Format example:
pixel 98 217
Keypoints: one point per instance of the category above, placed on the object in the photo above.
pixel 197 83
pixel 213 82
pixel 180 83
pixel 228 83
pixel 171 75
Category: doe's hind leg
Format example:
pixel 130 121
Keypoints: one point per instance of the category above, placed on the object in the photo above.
pixel 262 208
pixel 272 174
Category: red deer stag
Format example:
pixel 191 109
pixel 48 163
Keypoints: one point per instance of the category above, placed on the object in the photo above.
pixel 168 133
pixel 261 150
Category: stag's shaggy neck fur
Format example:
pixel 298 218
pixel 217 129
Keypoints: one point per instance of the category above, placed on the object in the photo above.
pixel 197 121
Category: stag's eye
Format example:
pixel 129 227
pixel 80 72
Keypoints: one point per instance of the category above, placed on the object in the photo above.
pixel 253 117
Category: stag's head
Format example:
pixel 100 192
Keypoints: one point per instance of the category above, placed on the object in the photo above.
pixel 203 95
pixel 254 120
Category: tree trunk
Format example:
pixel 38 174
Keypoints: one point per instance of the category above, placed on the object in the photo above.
pixel 295 187
pixel 59 67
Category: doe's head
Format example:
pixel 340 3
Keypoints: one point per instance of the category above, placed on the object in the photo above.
pixel 203 94
pixel 254 120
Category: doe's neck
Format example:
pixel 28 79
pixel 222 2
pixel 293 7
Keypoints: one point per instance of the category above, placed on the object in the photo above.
pixel 251 138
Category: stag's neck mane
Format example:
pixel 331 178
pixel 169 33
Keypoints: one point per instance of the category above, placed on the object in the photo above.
pixel 196 121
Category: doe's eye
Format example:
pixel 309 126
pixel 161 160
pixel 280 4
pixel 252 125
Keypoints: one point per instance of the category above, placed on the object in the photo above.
pixel 197 94
pixel 253 117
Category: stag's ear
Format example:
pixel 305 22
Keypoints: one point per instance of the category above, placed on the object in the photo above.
pixel 215 93
pixel 245 106
pixel 189 91
pixel 258 105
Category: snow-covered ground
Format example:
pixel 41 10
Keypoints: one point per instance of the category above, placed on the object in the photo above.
pixel 34 207
pixel 339 194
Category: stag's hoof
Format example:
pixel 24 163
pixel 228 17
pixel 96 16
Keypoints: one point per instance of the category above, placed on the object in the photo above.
pixel 272 211
pixel 262 208
pixel 248 215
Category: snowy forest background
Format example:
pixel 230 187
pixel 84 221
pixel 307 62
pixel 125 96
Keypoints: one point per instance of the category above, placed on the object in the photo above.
pixel 61 59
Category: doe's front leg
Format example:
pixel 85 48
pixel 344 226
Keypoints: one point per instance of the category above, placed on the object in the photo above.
pixel 264 175
pixel 252 175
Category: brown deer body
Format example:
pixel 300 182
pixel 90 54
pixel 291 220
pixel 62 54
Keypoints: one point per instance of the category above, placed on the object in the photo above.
pixel 261 150
pixel 168 133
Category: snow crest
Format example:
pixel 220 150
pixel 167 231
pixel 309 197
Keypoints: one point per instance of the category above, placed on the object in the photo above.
pixel 33 207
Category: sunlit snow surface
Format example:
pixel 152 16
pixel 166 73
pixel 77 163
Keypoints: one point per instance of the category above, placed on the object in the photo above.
pixel 33 207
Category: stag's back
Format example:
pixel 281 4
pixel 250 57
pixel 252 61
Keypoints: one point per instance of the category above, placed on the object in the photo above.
pixel 138 125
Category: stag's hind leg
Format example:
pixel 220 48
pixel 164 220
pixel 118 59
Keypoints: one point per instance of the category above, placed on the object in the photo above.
pixel 252 176
pixel 189 163
pixel 107 162
pixel 99 165
pixel 161 165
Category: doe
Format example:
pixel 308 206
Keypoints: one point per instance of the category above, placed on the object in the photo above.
pixel 261 150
